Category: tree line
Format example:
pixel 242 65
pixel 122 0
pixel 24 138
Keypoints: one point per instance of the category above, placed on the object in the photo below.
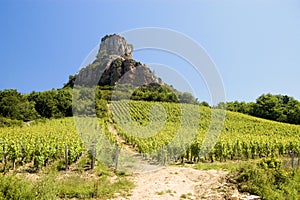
pixel 58 103
pixel 27 107
pixel 281 108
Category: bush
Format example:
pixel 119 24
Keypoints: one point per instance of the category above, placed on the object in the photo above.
pixel 12 187
pixel 269 180
pixel 5 122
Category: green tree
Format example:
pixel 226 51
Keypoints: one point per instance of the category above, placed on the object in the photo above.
pixel 267 106
pixel 44 103
pixel 187 97
pixel 204 103
pixel 84 101
pixel 14 105
pixel 63 99
pixel 293 111
pixel 278 107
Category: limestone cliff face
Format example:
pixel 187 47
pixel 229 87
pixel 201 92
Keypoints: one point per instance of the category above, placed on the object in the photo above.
pixel 114 65
pixel 114 45
pixel 128 71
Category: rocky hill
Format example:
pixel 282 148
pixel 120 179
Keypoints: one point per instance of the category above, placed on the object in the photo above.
pixel 114 65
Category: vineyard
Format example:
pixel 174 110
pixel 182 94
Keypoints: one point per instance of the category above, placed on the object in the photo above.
pixel 161 131
pixel 40 144
pixel 176 131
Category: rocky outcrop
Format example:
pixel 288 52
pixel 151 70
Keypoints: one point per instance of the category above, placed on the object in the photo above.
pixel 114 45
pixel 114 65
pixel 128 71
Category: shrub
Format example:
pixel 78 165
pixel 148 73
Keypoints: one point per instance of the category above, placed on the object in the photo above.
pixel 269 180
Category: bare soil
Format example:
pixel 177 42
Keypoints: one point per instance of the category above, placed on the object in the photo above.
pixel 177 182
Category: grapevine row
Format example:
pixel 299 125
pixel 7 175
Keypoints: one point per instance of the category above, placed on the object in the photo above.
pixel 41 143
pixel 242 137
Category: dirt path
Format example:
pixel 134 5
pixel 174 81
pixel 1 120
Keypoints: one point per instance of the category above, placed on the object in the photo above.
pixel 184 183
pixel 178 183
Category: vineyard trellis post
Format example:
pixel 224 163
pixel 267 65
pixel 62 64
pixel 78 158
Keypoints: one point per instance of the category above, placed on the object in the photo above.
pixel 93 151
pixel 4 153
pixel 117 156
pixel 163 154
pixel 67 157
pixel 293 158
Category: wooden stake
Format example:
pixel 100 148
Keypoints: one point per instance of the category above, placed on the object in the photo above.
pixel 67 157
pixel 117 157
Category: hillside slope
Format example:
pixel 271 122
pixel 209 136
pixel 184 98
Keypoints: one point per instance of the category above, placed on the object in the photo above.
pixel 149 125
pixel 243 137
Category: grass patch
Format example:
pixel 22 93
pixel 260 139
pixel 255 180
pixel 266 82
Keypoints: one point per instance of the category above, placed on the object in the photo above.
pixel 160 193
pixel 231 166
pixel 186 196
pixel 12 187
pixel 103 170
pixel 75 187
pixel 169 191
pixel 183 196
pixel 100 183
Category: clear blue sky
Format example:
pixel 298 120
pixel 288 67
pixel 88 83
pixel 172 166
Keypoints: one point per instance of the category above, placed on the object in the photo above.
pixel 255 44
